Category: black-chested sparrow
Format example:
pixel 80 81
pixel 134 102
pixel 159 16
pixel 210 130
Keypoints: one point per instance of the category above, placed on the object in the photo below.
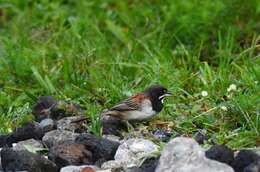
pixel 141 106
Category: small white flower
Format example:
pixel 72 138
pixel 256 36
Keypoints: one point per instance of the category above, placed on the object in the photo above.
pixel 232 87
pixel 224 108
pixel 204 93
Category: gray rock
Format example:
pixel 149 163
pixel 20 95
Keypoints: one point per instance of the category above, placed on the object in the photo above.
pixel 254 167
pixel 72 123
pixel 57 136
pixel 220 153
pixel 26 131
pixel 148 165
pixel 102 149
pixel 132 152
pixel 32 143
pixel 257 150
pixel 73 168
pixel 244 158
pixel 0 164
pixel 185 155
pixel 24 160
pixel 70 154
pixel 111 137
pixel 47 124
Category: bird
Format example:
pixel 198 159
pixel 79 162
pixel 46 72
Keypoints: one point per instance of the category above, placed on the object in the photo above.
pixel 141 106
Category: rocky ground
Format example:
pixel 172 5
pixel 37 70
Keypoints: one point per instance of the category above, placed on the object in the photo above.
pixel 59 141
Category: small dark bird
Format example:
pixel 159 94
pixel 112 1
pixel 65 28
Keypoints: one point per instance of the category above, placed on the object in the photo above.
pixel 141 106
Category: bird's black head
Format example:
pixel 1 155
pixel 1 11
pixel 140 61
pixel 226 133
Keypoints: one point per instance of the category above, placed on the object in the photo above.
pixel 157 93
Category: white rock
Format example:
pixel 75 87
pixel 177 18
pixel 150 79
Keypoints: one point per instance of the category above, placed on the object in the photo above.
pixel 112 164
pixel 132 151
pixel 185 155
pixel 73 168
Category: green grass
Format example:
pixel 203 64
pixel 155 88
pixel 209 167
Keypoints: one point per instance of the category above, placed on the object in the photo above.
pixel 96 53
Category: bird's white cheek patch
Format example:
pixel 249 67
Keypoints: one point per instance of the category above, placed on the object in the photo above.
pixel 162 100
pixel 163 96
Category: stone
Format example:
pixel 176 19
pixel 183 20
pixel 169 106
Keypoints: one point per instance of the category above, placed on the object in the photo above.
pixel 149 165
pixel 48 107
pixel 201 137
pixel 244 159
pixel 185 155
pixel 113 126
pixel 73 168
pixel 220 153
pixel 4 141
pixel 111 137
pixel 29 130
pixel 70 154
pixel 253 167
pixel 47 124
pixel 55 137
pixel 112 164
pixel 24 160
pixel 102 149
pixel 30 142
pixel 65 109
pixel 0 161
pixel 162 135
pixel 132 152
pixel 42 108
pixel 72 123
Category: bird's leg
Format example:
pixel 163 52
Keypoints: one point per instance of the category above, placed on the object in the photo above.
pixel 129 126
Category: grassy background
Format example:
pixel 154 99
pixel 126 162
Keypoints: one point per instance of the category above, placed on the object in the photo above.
pixel 98 52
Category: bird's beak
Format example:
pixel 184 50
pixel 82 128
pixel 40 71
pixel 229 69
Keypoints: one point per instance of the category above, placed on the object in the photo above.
pixel 168 94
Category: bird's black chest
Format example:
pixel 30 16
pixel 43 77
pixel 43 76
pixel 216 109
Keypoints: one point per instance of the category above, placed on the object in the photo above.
pixel 157 105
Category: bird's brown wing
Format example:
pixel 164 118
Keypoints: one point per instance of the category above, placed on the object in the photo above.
pixel 132 103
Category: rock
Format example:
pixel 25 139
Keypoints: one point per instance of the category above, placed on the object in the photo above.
pixel 70 154
pixel 73 168
pixel 65 109
pixel 47 125
pixel 162 135
pixel 185 155
pixel 113 126
pixel 149 165
pixel 132 151
pixel 48 107
pixel 30 142
pixel 4 140
pixel 23 160
pixel 42 108
pixel 113 165
pixel 27 131
pixel 102 149
pixel 0 161
pixel 253 167
pixel 220 153
pixel 73 123
pixel 56 137
pixel 243 159
pixel 200 137
pixel 111 138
